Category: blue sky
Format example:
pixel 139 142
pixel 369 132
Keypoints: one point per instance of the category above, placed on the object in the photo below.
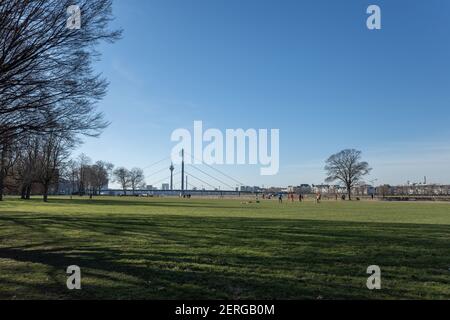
pixel 309 68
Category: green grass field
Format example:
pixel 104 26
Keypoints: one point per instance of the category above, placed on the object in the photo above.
pixel 162 248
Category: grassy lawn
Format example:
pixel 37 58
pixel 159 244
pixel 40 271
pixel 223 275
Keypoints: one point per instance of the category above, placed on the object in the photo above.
pixel 164 248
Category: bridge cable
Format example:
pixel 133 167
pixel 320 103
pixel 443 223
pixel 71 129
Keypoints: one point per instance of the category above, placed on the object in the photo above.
pixel 219 171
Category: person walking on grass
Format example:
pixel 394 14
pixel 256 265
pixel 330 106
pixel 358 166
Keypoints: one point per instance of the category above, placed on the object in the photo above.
pixel 280 198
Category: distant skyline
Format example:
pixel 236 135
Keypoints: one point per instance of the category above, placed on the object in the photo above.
pixel 308 68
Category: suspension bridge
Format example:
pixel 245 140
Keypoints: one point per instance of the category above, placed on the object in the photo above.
pixel 165 178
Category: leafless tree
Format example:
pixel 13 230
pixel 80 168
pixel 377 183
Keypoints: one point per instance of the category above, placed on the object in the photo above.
pixel 347 167
pixel 85 177
pixel 54 149
pixel 84 163
pixel 136 178
pixel 99 175
pixel 8 156
pixel 47 83
pixel 71 174
pixel 25 169
pixel 122 177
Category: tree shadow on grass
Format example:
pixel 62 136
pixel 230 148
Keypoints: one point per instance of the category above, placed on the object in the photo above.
pixel 185 257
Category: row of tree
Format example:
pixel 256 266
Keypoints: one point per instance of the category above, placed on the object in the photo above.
pixel 48 89
pixel 40 166
pixel 129 179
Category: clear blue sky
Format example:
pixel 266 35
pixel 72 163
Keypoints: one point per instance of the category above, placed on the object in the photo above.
pixel 310 68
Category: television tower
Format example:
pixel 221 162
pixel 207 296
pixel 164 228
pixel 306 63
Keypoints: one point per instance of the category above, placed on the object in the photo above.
pixel 171 176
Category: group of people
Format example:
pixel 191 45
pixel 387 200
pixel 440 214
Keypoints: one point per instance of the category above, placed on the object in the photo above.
pixel 291 196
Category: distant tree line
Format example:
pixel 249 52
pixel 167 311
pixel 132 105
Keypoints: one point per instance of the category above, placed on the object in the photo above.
pixel 127 179
pixel 43 166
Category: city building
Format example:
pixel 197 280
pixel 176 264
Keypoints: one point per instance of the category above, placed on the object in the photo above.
pixel 165 186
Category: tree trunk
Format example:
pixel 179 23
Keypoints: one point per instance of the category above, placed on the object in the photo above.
pixel 28 195
pixel 1 185
pixel 45 193
pixel 349 190
pixel 2 171
pixel 23 193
